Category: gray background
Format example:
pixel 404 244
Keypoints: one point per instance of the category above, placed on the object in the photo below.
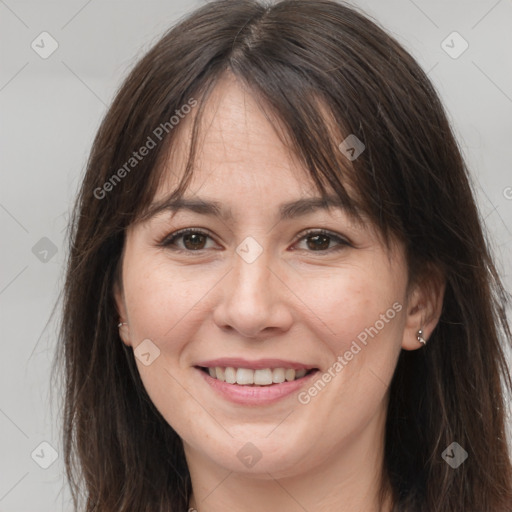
pixel 50 109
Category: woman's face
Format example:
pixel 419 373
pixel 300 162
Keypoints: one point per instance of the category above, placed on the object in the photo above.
pixel 260 288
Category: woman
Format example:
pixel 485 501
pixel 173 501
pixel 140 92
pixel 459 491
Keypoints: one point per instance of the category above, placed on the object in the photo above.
pixel 279 296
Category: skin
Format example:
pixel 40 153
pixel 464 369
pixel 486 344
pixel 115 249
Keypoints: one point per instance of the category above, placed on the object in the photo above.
pixel 292 302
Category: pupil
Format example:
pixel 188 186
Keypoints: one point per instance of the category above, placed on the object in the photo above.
pixel 323 239
pixel 192 241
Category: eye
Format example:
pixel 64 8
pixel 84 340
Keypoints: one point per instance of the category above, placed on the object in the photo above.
pixel 320 240
pixel 191 239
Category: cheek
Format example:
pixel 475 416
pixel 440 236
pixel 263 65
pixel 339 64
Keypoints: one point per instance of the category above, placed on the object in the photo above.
pixel 160 298
pixel 359 303
pixel 360 320
pixel 164 305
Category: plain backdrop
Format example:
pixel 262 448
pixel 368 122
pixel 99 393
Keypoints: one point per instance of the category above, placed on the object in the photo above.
pixel 50 109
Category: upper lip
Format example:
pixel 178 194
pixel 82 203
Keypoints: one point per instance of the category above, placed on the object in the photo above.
pixel 259 364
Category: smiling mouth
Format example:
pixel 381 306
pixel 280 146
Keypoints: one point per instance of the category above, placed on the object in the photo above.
pixel 256 378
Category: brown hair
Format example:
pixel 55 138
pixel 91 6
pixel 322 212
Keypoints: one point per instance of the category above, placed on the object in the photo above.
pixel 304 60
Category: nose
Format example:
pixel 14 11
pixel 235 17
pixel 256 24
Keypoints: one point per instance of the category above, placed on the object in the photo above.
pixel 254 300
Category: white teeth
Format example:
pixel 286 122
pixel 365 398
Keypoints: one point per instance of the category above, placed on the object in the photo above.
pixel 230 375
pixel 244 376
pixel 220 373
pixel 290 374
pixel 261 377
pixel 278 375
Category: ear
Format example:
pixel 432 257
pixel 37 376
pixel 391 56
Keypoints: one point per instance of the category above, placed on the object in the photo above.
pixel 424 307
pixel 124 330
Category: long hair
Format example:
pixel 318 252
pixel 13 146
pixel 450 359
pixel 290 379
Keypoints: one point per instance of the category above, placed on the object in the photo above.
pixel 324 71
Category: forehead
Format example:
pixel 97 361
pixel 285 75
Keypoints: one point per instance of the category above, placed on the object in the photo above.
pixel 238 147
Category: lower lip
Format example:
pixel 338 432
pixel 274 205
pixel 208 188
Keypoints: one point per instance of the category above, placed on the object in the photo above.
pixel 256 395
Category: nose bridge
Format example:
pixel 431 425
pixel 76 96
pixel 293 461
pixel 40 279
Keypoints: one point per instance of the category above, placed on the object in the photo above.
pixel 252 299
pixel 251 277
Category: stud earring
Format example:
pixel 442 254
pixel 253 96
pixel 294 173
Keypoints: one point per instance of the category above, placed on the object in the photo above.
pixel 121 323
pixel 420 338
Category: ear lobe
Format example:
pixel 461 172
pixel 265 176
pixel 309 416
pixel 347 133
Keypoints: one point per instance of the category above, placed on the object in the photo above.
pixel 425 305
pixel 124 330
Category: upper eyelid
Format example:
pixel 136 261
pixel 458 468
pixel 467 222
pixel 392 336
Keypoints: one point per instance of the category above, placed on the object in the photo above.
pixel 184 231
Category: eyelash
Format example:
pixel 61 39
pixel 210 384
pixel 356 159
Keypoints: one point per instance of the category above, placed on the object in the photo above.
pixel 169 240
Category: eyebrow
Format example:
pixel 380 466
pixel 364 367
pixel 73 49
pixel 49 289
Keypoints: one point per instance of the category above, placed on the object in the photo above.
pixel 289 210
